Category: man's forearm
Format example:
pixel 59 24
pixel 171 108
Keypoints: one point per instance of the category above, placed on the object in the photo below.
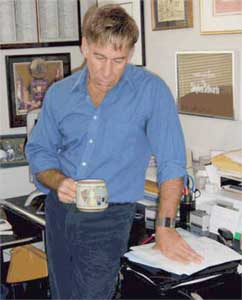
pixel 51 178
pixel 170 195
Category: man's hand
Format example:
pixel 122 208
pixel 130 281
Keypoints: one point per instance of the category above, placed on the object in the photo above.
pixel 65 187
pixel 172 245
pixel 66 190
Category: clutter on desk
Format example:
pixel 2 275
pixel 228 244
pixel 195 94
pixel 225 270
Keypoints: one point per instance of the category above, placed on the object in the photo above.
pixel 199 222
pixel 229 169
pixel 5 227
pixel 187 203
pixel 213 252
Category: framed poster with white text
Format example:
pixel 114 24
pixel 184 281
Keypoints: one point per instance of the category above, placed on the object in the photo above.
pixel 205 83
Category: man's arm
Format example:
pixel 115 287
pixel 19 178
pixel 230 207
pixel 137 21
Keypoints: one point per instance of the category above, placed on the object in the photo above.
pixel 168 240
pixel 57 181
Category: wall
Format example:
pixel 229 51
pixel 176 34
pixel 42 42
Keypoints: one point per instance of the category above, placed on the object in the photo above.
pixel 202 134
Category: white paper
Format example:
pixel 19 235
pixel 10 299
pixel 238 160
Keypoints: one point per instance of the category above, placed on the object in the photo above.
pixel 213 252
pixel 223 217
pixel 26 23
pixel 48 20
pixel 7 21
pixel 68 20
pixel 235 156
pixel 151 173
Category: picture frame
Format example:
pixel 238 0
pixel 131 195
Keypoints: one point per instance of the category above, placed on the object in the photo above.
pixel 166 14
pixel 12 151
pixel 28 78
pixel 205 83
pixel 220 16
pixel 39 23
pixel 135 8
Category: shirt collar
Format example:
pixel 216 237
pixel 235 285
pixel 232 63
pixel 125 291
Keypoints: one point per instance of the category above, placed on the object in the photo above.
pixel 80 80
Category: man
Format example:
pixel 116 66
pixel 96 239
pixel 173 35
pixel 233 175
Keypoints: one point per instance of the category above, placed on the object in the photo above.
pixel 104 122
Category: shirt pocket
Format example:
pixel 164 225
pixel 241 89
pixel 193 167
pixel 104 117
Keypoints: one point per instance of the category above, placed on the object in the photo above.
pixel 119 140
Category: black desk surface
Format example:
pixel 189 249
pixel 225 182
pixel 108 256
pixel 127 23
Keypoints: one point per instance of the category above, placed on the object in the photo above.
pixel 27 226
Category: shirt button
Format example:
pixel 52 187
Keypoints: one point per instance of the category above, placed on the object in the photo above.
pixel 91 141
pixel 84 163
pixel 95 117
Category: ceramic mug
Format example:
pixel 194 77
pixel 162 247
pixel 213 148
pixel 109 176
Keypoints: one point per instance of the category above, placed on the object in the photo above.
pixel 91 195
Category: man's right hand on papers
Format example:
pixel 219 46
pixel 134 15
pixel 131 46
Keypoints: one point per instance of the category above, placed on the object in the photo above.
pixel 173 246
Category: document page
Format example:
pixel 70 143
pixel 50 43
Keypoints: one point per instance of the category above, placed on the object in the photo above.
pixel 213 252
pixel 48 20
pixel 7 21
pixel 26 21
pixel 68 20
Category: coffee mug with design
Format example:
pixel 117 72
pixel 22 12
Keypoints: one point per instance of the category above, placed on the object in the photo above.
pixel 92 195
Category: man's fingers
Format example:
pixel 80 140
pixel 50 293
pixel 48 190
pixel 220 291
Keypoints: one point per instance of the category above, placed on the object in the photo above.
pixel 190 253
pixel 67 190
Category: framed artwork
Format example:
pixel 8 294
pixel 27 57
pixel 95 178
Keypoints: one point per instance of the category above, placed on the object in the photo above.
pixel 220 16
pixel 28 78
pixel 205 83
pixel 39 23
pixel 171 14
pixel 12 151
pixel 135 8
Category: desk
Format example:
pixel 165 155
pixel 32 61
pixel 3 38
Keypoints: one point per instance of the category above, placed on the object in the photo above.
pixel 27 227
pixel 32 228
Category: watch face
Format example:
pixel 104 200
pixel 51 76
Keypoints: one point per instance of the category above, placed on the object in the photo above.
pixel 166 222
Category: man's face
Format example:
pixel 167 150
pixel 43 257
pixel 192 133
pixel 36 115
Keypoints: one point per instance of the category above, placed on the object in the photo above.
pixel 105 64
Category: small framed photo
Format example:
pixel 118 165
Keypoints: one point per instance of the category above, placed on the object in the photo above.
pixel 205 83
pixel 171 14
pixel 134 8
pixel 28 78
pixel 220 16
pixel 12 151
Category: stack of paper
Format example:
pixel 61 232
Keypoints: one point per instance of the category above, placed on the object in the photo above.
pixel 213 252
pixel 5 227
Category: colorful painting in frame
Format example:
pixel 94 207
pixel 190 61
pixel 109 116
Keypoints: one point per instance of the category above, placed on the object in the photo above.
pixel 28 78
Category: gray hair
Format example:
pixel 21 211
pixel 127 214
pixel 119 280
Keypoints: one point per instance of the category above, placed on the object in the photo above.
pixel 110 24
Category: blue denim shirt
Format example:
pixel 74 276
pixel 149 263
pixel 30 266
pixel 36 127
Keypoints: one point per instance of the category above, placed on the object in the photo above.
pixel 114 141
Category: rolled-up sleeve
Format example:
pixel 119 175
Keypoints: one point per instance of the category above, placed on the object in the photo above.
pixel 45 139
pixel 165 134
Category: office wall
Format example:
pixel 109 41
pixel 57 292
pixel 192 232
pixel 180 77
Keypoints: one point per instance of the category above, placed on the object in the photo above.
pixel 201 134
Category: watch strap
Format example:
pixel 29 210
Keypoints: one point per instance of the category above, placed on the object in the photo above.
pixel 166 222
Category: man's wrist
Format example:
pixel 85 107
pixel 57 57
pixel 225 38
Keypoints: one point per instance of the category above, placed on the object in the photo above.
pixel 166 222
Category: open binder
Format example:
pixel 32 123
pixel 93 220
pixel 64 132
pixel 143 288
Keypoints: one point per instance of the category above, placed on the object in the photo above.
pixel 145 282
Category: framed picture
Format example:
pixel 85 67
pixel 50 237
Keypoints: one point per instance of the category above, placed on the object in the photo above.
pixel 28 77
pixel 135 8
pixel 205 83
pixel 12 151
pixel 171 14
pixel 220 16
pixel 39 23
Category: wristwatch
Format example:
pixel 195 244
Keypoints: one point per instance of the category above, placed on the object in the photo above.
pixel 166 222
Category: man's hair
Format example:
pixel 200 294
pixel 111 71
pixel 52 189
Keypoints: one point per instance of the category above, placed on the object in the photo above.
pixel 110 24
